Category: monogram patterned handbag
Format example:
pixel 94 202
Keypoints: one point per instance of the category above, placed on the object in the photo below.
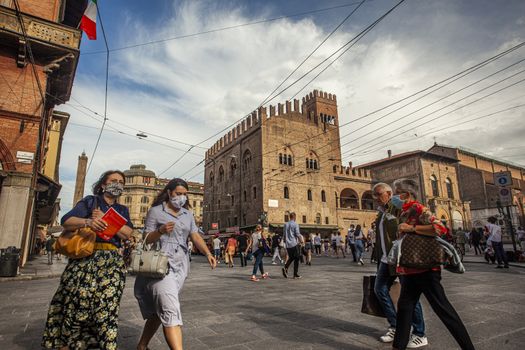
pixel 418 251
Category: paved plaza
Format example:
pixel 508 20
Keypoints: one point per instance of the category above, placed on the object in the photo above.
pixel 222 309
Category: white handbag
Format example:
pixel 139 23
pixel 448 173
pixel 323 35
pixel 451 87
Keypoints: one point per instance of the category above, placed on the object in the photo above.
pixel 149 263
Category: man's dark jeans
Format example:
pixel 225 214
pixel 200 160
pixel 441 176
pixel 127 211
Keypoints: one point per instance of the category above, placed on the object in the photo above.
pixel 294 254
pixel 500 253
pixel 242 256
pixel 382 289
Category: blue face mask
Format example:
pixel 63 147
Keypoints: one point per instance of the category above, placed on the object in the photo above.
pixel 397 201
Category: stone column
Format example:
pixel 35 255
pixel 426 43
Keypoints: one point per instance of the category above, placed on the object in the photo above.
pixel 13 208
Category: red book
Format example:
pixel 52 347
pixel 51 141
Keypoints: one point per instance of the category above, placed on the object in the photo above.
pixel 115 222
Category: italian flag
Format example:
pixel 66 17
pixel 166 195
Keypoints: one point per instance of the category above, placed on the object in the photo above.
pixel 89 20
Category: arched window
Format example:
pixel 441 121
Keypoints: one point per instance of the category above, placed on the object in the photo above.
pixel 349 199
pixel 280 158
pixel 245 195
pixel 233 200
pixel 127 200
pixel 246 160
pixel 434 184
pixel 312 161
pixel 144 200
pixel 290 160
pixel 309 195
pixel 233 168
pixel 450 191
pixel 212 178
pixel 323 196
pixel 221 174
pixel 286 192
pixel 286 157
pixel 318 219
pixel 367 202
pixel 254 192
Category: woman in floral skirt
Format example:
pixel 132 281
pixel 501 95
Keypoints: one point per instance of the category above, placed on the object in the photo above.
pixel 84 310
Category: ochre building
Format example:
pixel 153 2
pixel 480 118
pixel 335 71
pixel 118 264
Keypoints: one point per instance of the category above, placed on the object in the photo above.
pixel 141 189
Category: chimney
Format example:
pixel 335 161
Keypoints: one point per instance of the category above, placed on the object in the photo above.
pixel 389 153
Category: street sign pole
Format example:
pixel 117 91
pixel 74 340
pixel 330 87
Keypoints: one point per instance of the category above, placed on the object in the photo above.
pixel 511 228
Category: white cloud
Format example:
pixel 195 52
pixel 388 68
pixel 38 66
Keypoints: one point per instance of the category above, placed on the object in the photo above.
pixel 191 88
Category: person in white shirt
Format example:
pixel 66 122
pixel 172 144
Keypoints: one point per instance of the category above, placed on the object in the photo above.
pixel 217 248
pixel 495 238
pixel 339 245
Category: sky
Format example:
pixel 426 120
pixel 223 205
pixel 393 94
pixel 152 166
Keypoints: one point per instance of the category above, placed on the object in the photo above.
pixel 182 91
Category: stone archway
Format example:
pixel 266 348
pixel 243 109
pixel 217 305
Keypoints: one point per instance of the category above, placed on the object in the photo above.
pixel 7 162
pixel 457 220
pixel 349 199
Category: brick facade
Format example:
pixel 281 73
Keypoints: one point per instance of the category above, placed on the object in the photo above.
pixel 283 159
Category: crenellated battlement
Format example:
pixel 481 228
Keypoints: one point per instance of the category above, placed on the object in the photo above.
pixel 255 119
pixel 351 172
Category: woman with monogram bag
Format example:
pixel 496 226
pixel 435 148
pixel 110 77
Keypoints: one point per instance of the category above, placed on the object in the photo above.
pixel 84 309
pixel 419 221
pixel 169 223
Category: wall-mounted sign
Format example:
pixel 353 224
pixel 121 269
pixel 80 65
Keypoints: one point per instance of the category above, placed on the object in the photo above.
pixel 273 203
pixel 25 157
pixel 503 178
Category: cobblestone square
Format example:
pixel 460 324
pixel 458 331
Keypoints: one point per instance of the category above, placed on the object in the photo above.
pixel 222 309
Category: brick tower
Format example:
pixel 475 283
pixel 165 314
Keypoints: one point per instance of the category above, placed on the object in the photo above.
pixel 81 178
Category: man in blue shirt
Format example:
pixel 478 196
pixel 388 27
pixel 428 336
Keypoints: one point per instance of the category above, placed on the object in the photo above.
pixel 292 241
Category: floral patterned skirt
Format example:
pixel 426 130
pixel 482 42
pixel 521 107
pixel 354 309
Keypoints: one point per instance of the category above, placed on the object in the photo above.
pixel 85 306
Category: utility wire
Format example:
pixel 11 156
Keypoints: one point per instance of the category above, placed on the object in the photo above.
pixel 442 115
pixel 267 99
pixel 105 92
pixel 311 53
pixel 471 68
pixel 223 29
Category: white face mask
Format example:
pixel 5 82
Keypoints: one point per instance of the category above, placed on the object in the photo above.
pixel 114 189
pixel 178 201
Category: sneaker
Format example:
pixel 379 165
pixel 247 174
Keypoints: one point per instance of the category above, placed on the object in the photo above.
pixel 285 273
pixel 265 275
pixel 274 263
pixel 389 336
pixel 361 261
pixel 297 277
pixel 416 342
pixel 254 279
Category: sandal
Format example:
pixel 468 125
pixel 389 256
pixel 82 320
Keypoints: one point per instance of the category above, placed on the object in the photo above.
pixel 265 276
pixel 254 279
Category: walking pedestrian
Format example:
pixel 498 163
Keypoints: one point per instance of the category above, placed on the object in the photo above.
pixel 326 246
pixel 386 233
pixel 308 247
pixel 317 244
pixel 416 219
pixel 333 238
pixel 259 248
pixel 217 248
pixel 351 241
pixel 372 241
pixel 293 240
pixel 339 247
pixel 243 244
pixel 475 237
pixel 50 241
pixel 169 222
pixel 359 240
pixel 231 247
pixel 84 310
pixel 276 245
pixel 494 232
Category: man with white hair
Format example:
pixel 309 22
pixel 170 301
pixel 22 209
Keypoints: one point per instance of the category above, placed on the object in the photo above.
pixel 386 225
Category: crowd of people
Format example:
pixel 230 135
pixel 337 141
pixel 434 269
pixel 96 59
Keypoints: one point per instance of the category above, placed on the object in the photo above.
pixel 85 307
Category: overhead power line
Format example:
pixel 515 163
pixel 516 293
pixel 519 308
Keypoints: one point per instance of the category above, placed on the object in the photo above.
pixel 222 29
pixel 105 91
pixel 473 67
